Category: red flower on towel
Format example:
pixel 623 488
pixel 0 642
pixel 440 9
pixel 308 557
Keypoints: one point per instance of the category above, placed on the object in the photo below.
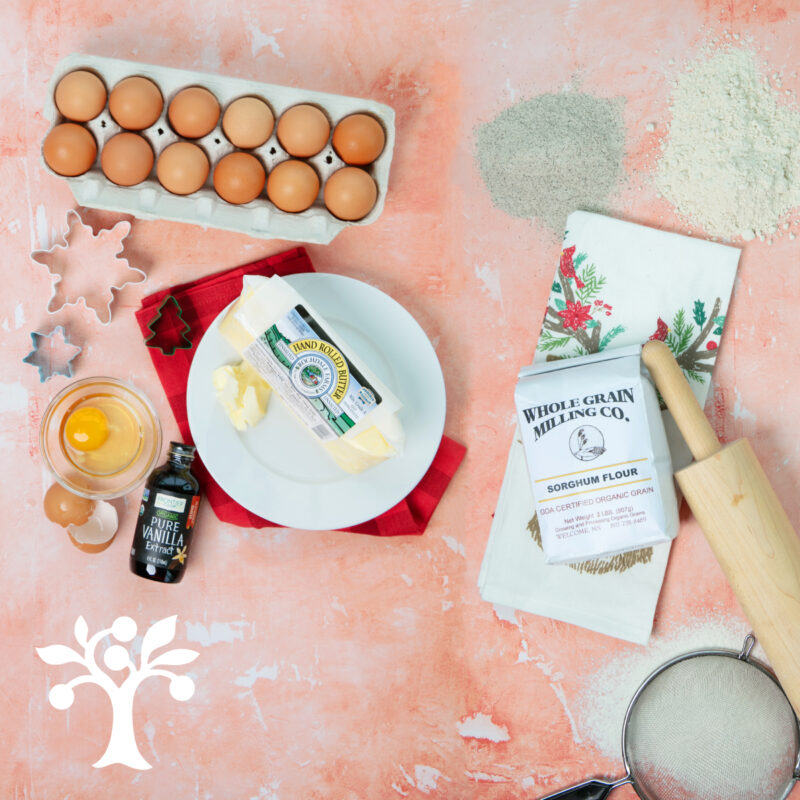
pixel 575 315
pixel 661 331
pixel 567 268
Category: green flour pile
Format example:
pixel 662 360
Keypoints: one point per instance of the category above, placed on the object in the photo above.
pixel 546 157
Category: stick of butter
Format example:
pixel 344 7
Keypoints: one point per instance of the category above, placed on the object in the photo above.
pixel 243 393
pixel 339 400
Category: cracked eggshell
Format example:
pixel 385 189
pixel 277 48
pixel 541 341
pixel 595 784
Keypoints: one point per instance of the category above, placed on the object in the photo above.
pixel 98 531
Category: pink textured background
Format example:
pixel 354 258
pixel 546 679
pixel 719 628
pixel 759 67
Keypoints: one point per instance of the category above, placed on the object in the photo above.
pixel 335 665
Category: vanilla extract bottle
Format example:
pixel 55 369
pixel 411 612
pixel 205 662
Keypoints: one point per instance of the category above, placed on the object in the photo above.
pixel 167 518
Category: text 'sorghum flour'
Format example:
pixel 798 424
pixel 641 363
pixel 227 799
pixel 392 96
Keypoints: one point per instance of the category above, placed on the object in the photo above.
pixel 597 455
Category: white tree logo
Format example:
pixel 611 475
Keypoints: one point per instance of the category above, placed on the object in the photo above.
pixel 122 748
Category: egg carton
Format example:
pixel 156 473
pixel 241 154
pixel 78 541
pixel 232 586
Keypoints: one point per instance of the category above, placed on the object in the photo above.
pixel 259 218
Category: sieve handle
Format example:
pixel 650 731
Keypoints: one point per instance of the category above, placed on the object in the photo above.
pixel 591 790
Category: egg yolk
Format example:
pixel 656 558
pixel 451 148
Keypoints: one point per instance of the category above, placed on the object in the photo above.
pixel 86 428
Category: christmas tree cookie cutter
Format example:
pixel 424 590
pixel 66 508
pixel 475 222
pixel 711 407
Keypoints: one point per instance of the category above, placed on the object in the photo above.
pixel 183 342
pixel 52 354
pixel 79 257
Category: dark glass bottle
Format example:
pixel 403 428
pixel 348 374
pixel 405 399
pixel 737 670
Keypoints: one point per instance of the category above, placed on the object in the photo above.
pixel 167 517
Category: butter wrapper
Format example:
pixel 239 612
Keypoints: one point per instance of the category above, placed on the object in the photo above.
pixel 597 456
pixel 325 384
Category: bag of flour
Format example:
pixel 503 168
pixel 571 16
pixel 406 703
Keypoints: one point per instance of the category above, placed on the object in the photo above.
pixel 597 455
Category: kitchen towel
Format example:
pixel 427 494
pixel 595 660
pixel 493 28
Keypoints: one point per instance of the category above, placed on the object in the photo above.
pixel 616 284
pixel 200 302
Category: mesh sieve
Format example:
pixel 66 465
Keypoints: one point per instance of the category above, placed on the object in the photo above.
pixel 711 726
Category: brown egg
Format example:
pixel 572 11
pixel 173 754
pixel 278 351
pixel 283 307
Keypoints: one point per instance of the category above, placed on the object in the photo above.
pixel 126 159
pixel 65 508
pixel 350 193
pixel 248 122
pixel 239 178
pixel 69 149
pixel 193 112
pixel 182 168
pixel 303 131
pixel 358 139
pixel 80 95
pixel 135 103
pixel 293 185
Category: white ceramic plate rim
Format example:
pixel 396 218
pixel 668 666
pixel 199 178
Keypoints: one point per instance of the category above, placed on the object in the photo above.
pixel 414 375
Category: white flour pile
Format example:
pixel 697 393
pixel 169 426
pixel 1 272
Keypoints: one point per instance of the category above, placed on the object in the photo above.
pixel 731 162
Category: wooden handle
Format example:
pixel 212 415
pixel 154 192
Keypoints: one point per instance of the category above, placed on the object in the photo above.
pixel 757 548
pixel 680 400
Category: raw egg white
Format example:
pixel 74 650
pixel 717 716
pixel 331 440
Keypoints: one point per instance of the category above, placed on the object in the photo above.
pixel 359 139
pixel 182 168
pixel 239 178
pixel 80 95
pixel 350 193
pixel 248 122
pixel 135 103
pixel 303 131
pixel 126 159
pixel 193 112
pixel 293 185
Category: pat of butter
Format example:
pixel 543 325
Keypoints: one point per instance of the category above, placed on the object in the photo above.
pixel 339 400
pixel 243 393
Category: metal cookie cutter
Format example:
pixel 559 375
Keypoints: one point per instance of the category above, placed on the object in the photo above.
pixel 183 341
pixel 91 257
pixel 52 354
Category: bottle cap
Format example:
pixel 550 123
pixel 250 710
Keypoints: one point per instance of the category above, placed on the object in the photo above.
pixel 182 450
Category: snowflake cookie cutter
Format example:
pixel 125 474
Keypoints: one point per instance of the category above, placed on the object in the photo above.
pixel 183 341
pixel 52 354
pixel 96 295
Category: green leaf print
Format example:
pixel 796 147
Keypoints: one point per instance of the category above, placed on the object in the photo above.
pixel 548 342
pixel 612 334
pixel 679 338
pixel 592 283
pixel 560 304
pixel 699 313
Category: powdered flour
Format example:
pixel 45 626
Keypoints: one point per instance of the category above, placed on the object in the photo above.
pixel 731 161
pixel 553 154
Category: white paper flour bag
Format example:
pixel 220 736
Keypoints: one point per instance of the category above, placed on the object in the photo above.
pixel 597 455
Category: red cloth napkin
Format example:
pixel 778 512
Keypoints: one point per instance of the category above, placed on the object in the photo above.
pixel 200 302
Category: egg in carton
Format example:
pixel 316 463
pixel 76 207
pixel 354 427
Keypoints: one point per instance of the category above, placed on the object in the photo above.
pixel 260 217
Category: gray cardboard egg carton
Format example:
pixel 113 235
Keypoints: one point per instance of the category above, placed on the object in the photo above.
pixel 149 200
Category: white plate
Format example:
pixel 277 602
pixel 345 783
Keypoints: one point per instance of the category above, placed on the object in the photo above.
pixel 277 469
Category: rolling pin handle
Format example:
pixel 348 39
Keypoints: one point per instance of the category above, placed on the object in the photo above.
pixel 689 417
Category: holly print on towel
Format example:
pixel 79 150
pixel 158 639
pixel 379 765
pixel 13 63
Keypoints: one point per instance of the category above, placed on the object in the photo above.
pixel 576 310
pixel 695 349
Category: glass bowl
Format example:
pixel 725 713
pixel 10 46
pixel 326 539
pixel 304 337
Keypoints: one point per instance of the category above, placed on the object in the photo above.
pixel 65 463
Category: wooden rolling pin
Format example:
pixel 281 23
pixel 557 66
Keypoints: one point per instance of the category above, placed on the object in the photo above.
pixel 743 520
